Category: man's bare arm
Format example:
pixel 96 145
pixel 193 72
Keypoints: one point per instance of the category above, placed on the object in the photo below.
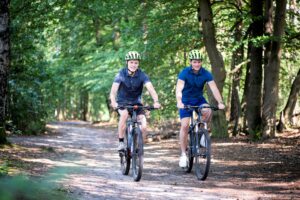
pixel 216 93
pixel 113 94
pixel 153 94
pixel 179 88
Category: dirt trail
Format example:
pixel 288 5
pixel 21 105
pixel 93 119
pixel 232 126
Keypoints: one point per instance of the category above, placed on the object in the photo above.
pixel 90 164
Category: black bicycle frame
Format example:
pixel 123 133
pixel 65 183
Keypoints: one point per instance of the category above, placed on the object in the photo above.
pixel 194 135
pixel 200 123
pixel 133 122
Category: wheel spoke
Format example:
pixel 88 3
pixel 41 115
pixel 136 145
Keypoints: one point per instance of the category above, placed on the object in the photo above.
pixel 137 162
pixel 203 155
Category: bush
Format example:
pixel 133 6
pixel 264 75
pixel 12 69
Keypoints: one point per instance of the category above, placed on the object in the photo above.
pixel 26 110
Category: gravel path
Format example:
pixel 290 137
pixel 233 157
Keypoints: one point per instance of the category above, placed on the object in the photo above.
pixel 89 169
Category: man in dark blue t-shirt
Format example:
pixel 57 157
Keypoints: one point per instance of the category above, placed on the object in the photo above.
pixel 189 91
pixel 127 89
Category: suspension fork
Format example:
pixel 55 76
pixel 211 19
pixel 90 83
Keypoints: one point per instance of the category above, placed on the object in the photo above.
pixel 198 134
pixel 136 132
pixel 193 140
pixel 140 138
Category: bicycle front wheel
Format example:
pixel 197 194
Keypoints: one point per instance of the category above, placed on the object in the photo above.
pixel 137 155
pixel 125 157
pixel 203 154
pixel 189 152
pixel 125 162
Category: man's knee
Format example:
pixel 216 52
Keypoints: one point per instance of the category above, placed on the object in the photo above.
pixel 184 124
pixel 207 114
pixel 123 115
pixel 142 120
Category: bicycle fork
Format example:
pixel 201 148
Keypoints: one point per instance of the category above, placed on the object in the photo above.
pixel 193 140
pixel 198 139
pixel 136 133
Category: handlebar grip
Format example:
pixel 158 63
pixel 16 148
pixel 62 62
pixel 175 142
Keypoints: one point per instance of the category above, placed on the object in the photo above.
pixel 187 107
pixel 151 108
pixel 119 107
pixel 214 108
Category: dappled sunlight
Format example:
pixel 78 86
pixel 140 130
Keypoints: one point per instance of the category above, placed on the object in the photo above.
pixel 52 162
pixel 87 163
pixel 225 144
pixel 234 163
pixel 53 126
pixel 101 187
pixel 160 153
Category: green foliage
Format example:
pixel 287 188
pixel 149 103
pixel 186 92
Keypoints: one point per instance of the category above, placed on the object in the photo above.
pixel 27 110
pixel 256 134
pixel 63 50
pixel 21 187
pixel 2 135
pixel 3 169
pixel 27 69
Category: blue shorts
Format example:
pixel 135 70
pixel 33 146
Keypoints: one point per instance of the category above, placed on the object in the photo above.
pixel 195 102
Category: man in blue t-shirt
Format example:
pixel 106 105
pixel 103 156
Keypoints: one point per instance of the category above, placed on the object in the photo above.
pixel 189 91
pixel 127 89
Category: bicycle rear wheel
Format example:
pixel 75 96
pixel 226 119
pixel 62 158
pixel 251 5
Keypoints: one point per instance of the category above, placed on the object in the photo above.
pixel 137 155
pixel 203 154
pixel 125 157
pixel 189 152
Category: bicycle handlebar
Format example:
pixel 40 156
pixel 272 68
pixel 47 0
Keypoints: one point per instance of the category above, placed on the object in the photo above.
pixel 199 108
pixel 135 107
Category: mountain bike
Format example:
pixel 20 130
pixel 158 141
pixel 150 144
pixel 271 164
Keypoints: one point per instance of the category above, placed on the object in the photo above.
pixel 134 143
pixel 199 144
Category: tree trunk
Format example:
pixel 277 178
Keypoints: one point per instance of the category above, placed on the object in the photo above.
pixel 268 18
pixel 235 108
pixel 292 100
pixel 4 64
pixel 117 37
pixel 57 111
pixel 97 24
pixel 237 58
pixel 272 76
pixel 246 89
pixel 205 16
pixel 63 106
pixel 84 102
pixel 253 98
pixel 229 98
pixel 268 30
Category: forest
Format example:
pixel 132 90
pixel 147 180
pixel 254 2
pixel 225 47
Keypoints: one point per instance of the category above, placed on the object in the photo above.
pixel 59 58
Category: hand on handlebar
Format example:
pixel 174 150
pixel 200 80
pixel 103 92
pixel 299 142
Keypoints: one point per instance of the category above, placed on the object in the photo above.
pixel 180 105
pixel 114 105
pixel 156 105
pixel 221 106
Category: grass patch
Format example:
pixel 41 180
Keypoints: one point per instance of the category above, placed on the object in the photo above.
pixel 22 187
pixel 3 169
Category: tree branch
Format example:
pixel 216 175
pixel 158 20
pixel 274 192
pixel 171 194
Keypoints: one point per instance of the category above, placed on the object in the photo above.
pixel 237 67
